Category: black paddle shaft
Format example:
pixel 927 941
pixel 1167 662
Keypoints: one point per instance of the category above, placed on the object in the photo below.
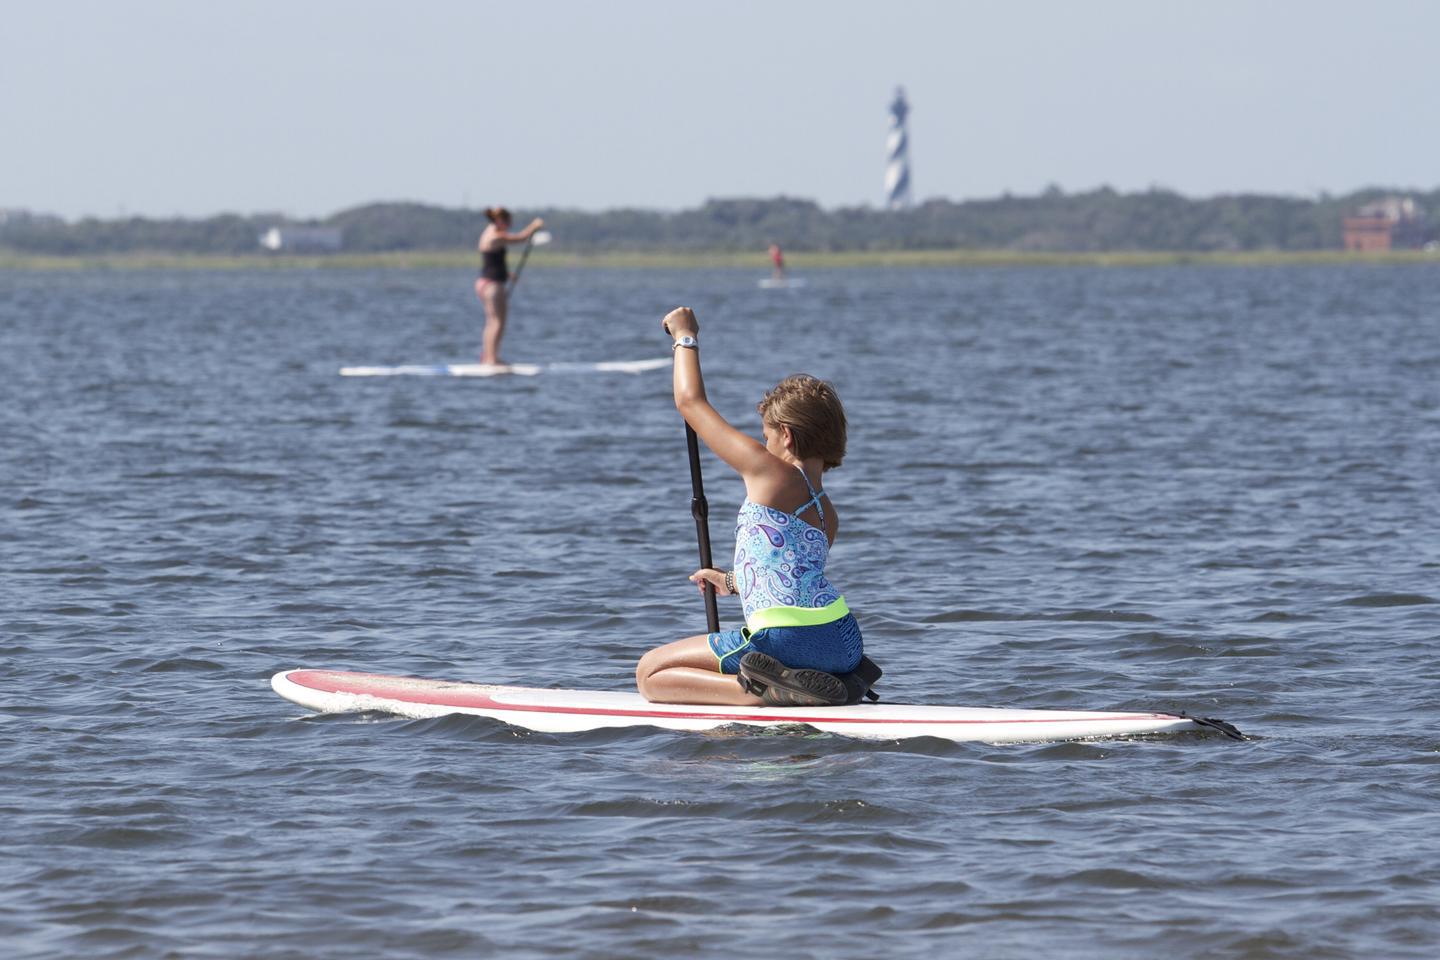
pixel 700 510
pixel 515 278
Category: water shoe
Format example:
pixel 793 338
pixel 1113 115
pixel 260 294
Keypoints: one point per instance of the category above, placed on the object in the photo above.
pixel 781 686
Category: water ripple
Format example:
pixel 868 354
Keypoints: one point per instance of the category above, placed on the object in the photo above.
pixel 1179 489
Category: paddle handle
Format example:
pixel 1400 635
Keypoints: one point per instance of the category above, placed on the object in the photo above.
pixel 700 510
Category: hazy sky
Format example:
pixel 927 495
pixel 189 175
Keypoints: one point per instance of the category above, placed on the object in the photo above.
pixel 306 107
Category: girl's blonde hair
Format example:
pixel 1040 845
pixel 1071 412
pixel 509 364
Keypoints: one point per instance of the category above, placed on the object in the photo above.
pixel 811 408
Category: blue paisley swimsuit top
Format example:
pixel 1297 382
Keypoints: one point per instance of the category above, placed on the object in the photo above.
pixel 780 565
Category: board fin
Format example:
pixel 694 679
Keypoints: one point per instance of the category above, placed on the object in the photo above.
pixel 1213 723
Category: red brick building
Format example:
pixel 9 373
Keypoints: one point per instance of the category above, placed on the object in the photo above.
pixel 1368 233
pixel 1384 224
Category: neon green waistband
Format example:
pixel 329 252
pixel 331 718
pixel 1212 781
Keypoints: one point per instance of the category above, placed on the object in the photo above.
pixel 797 616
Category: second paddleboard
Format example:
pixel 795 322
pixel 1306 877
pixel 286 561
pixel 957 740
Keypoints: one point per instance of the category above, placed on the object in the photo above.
pixel 505 369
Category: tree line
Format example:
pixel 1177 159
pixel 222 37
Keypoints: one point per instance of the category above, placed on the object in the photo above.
pixel 1053 221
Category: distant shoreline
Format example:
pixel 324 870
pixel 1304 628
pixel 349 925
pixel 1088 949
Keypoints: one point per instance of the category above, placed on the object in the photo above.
pixel 675 260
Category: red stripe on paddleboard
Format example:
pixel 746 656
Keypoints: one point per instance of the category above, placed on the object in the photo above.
pixel 320 680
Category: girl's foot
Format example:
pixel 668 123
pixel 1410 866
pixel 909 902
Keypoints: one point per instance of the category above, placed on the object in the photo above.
pixel 780 686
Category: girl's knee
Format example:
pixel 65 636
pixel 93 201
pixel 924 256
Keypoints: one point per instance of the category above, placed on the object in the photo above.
pixel 648 664
pixel 644 670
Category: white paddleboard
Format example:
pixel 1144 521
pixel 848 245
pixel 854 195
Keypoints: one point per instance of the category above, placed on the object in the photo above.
pixel 786 283
pixel 569 711
pixel 505 369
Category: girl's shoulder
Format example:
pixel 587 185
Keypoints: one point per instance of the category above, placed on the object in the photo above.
pixel 779 484
pixel 771 476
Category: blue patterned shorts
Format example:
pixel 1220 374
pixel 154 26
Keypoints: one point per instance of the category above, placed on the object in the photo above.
pixel 833 647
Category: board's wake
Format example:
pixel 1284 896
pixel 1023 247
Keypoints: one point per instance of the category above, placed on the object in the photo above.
pixel 567 711
pixel 505 369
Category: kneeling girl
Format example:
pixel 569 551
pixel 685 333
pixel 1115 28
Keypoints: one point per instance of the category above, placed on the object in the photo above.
pixel 795 618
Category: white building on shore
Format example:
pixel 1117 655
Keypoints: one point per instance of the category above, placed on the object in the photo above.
pixel 302 239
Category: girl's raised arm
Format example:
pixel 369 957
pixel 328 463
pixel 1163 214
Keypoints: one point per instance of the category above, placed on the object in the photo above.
pixel 744 454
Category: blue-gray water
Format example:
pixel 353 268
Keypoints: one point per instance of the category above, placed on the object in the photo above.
pixel 1200 488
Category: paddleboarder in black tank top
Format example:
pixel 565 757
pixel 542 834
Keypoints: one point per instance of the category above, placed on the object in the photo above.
pixel 494 274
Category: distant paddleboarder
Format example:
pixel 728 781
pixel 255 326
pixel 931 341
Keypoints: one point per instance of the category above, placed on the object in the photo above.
pixel 490 287
pixel 777 263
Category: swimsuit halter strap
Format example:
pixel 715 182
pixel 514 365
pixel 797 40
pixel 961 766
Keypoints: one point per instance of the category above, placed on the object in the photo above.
pixel 814 500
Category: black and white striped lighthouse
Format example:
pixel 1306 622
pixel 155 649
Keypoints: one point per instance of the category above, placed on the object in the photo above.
pixel 897 155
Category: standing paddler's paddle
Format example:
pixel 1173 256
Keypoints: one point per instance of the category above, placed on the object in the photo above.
pixel 538 238
pixel 700 510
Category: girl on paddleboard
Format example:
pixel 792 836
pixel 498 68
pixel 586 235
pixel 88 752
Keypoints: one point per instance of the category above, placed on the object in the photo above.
pixel 800 645
pixel 490 285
